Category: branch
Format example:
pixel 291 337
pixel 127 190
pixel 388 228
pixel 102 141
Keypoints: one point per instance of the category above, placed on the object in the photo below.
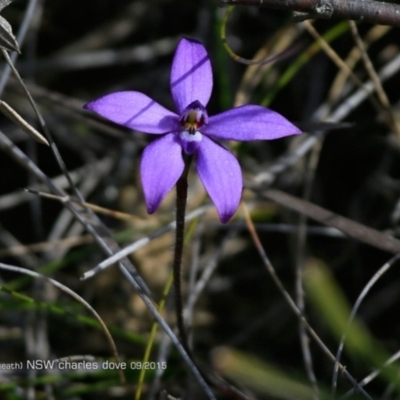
pixel 375 12
pixel 349 227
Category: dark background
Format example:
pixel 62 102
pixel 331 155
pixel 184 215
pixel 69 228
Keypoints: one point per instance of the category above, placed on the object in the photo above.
pixel 356 175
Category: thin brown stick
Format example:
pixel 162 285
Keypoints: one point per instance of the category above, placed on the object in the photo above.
pixel 351 228
pixel 373 35
pixel 326 47
pixel 369 67
pixel 271 270
pixel 375 12
pixel 101 210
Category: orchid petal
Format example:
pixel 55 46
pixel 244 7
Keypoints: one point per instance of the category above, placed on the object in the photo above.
pixel 221 176
pixel 135 110
pixel 161 167
pixel 249 123
pixel 191 74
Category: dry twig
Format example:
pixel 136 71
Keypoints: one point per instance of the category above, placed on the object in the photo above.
pixel 375 12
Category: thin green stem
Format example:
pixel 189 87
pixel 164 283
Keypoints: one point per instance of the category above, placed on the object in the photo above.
pixel 181 199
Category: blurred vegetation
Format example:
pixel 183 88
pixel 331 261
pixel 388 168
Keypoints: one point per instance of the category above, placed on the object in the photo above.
pixel 241 326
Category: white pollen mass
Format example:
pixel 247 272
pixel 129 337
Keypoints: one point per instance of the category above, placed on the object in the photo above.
pixel 196 137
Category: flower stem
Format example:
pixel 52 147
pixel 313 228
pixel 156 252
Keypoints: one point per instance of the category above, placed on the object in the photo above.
pixel 181 199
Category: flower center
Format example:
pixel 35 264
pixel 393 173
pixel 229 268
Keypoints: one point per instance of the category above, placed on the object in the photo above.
pixel 194 116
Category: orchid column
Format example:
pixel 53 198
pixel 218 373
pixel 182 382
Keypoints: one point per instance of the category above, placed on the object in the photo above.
pixel 190 133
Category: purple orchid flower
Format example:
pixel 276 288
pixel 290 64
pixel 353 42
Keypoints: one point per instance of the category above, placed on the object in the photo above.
pixel 191 131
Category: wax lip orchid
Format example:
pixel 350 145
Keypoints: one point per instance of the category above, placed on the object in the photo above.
pixel 191 131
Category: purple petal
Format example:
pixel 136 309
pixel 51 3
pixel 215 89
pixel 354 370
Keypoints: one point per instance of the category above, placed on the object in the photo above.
pixel 221 176
pixel 249 123
pixel 136 111
pixel 191 74
pixel 161 166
